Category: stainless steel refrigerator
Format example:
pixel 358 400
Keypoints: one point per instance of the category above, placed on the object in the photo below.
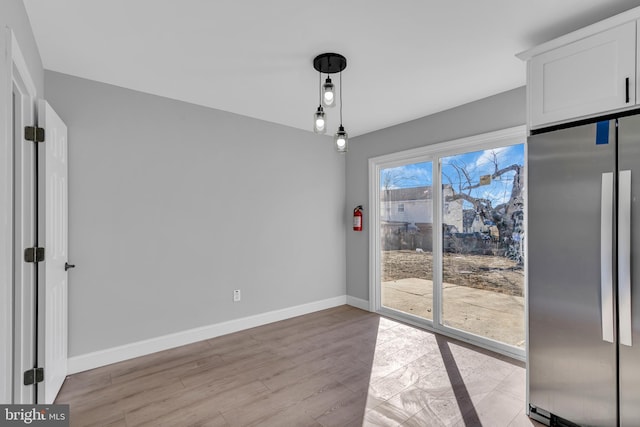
pixel 584 260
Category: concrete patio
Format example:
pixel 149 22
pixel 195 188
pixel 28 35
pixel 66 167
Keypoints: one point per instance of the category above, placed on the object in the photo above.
pixel 491 314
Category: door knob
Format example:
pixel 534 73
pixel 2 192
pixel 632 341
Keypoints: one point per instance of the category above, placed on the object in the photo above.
pixel 68 266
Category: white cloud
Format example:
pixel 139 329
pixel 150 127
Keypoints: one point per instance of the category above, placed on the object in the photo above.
pixel 486 158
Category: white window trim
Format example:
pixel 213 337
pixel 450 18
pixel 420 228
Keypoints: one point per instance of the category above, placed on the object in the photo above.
pixel 432 153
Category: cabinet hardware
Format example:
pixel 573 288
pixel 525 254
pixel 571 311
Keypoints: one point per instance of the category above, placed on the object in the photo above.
pixel 626 87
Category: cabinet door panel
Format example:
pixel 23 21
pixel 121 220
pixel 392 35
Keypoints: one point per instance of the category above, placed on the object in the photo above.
pixel 584 78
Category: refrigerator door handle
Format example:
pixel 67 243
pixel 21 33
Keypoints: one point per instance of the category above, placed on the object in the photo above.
pixel 606 257
pixel 624 257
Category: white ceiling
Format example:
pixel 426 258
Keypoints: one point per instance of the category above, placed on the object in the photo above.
pixel 406 58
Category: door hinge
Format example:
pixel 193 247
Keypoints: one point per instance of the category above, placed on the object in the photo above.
pixel 34 254
pixel 33 376
pixel 34 133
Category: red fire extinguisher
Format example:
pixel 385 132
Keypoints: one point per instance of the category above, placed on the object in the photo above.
pixel 357 218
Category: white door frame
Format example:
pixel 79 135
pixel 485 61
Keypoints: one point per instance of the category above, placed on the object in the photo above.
pixel 6 226
pixel 13 72
pixel 510 136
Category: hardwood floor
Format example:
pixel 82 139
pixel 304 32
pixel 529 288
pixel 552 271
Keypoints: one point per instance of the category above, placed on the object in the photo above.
pixel 337 367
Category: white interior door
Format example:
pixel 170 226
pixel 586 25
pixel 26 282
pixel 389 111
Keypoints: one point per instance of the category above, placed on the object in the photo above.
pixel 53 235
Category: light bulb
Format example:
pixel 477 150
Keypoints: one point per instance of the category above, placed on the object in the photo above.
pixel 319 124
pixel 328 95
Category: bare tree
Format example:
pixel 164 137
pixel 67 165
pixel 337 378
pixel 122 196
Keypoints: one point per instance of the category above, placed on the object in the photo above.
pixel 507 216
pixel 393 178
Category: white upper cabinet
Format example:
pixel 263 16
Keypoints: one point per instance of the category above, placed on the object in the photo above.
pixel 587 73
pixel 584 78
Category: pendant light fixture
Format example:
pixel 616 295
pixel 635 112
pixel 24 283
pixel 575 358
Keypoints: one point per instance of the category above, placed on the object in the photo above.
pixel 341 138
pixel 330 63
pixel 328 94
pixel 319 123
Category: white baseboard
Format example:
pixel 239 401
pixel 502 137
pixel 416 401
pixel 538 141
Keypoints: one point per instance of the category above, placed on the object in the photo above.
pixel 358 303
pixel 85 362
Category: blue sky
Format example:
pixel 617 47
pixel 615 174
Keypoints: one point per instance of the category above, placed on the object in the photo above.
pixel 476 163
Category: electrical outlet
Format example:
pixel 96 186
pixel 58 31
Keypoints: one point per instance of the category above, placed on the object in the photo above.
pixel 236 295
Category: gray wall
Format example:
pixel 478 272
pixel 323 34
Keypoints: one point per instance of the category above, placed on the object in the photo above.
pixel 14 16
pixel 173 205
pixel 497 112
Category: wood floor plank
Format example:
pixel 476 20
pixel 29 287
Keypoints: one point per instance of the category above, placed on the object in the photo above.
pixel 192 417
pixel 204 399
pixel 246 369
pixel 347 410
pixel 121 400
pixel 289 417
pixel 336 367
pixel 385 414
pixel 83 383
pixel 356 376
pixel 161 358
pixel 114 418
pixel 280 400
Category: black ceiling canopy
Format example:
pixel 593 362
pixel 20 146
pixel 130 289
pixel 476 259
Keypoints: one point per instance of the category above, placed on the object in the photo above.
pixel 330 63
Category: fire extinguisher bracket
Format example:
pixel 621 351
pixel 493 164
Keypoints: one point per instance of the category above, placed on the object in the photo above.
pixel 357 218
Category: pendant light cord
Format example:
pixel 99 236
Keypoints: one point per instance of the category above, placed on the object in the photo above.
pixel 340 98
pixel 320 87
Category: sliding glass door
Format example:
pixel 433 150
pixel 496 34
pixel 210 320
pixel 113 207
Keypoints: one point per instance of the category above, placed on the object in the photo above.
pixel 482 243
pixel 406 238
pixel 448 236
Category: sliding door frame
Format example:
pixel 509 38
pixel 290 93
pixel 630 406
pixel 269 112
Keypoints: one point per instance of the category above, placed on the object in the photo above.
pixel 434 153
pixel 377 164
